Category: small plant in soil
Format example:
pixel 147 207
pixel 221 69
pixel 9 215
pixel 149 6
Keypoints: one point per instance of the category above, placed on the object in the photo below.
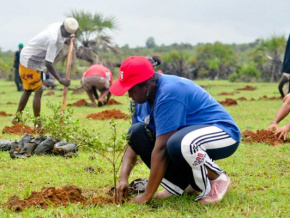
pixel 111 150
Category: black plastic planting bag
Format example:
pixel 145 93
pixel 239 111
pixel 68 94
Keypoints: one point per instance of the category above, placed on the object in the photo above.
pixel 5 145
pixel 45 147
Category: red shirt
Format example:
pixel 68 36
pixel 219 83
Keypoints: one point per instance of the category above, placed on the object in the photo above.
pixel 99 70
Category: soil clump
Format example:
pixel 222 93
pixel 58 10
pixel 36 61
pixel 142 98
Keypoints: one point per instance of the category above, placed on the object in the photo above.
pixel 262 136
pixel 19 129
pixel 271 98
pixel 108 114
pixel 242 99
pixel 113 102
pixel 248 88
pixel 50 196
pixel 226 93
pixel 4 114
pixel 228 102
pixel 10 102
pixel 79 103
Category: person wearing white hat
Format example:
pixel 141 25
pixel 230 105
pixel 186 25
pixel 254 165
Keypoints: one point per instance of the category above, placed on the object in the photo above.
pixel 39 53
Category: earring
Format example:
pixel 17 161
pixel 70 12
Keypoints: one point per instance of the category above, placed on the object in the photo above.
pixel 147 93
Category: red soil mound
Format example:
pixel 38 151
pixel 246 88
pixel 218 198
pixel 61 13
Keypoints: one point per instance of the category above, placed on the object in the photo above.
pixel 262 136
pixel 54 197
pixel 108 114
pixel 112 102
pixel 248 88
pixel 226 93
pixel 79 103
pixel 242 99
pixel 3 113
pixel 49 93
pixel 19 129
pixel 228 102
pixel 271 99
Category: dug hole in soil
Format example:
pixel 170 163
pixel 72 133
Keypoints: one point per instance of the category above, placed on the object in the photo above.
pixel 55 197
pixel 262 136
pixel 108 114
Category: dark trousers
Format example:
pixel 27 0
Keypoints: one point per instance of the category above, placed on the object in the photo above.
pixel 179 173
pixel 17 79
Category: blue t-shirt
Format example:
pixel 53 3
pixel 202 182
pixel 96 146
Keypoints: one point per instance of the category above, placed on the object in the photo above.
pixel 179 103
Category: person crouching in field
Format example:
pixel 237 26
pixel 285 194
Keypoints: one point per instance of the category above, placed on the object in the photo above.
pixel 178 129
pixel 97 77
pixel 39 53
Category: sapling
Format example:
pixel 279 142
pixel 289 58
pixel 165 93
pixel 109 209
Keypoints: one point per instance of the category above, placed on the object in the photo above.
pixel 111 150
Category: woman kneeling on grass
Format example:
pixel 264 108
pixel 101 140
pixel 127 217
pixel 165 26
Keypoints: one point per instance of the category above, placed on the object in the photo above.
pixel 178 130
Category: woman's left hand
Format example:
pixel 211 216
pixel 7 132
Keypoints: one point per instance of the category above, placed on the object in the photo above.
pixel 141 198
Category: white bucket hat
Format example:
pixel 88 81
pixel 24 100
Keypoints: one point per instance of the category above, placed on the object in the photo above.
pixel 71 25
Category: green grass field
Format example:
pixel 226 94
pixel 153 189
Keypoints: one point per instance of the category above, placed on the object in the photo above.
pixel 260 174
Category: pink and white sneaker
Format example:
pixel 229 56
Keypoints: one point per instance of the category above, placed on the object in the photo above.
pixel 219 187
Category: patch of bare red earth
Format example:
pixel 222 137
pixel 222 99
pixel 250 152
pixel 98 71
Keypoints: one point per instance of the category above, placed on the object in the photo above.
pixel 11 102
pixel 51 196
pixel 248 88
pixel 261 98
pixel 113 102
pixel 79 103
pixel 242 99
pixel 83 102
pixel 108 114
pixel 226 93
pixel 4 114
pixel 20 129
pixel 228 102
pixel 271 98
pixel 262 136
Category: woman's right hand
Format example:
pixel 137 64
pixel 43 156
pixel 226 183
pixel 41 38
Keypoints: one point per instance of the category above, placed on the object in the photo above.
pixel 282 132
pixel 122 191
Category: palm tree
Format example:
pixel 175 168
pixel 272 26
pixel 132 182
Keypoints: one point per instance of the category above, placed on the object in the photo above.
pixel 92 36
pixel 178 63
pixel 272 51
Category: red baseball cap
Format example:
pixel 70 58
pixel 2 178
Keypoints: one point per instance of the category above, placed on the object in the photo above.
pixel 133 70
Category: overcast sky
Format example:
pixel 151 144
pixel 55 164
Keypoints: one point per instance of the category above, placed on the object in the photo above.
pixel 168 21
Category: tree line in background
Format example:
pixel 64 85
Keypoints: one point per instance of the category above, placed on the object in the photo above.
pixel 260 60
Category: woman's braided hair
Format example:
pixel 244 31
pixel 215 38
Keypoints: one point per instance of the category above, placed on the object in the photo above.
pixel 155 60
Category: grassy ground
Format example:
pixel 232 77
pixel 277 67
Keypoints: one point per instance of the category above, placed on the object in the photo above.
pixel 260 174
